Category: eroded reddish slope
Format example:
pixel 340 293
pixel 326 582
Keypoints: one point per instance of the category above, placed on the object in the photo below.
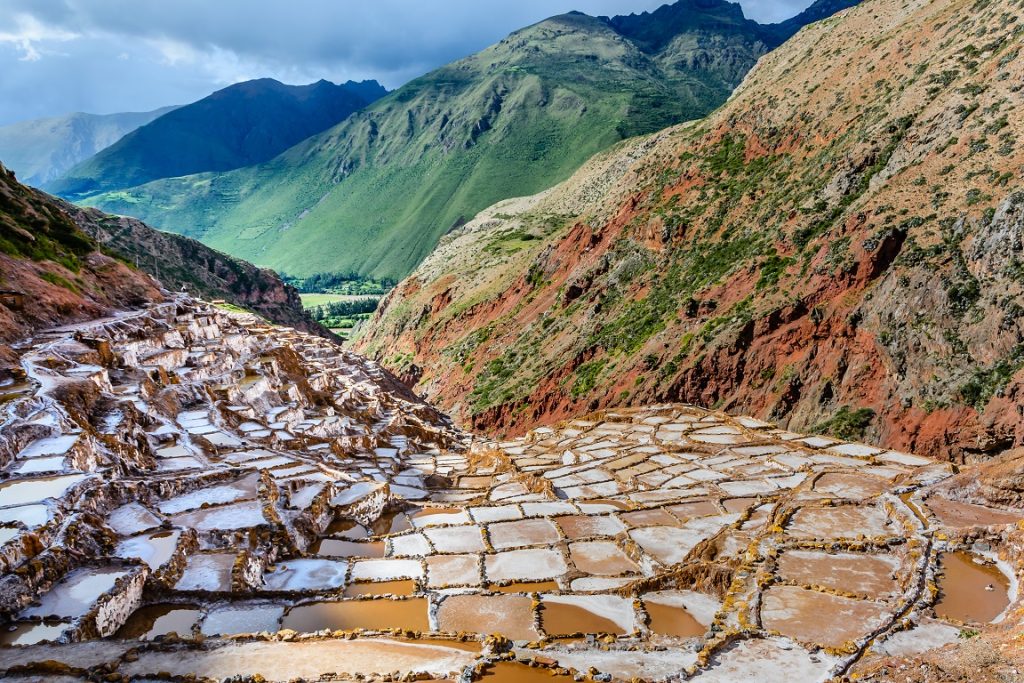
pixel 837 247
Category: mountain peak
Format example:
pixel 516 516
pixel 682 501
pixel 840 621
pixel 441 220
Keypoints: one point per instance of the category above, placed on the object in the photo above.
pixel 653 30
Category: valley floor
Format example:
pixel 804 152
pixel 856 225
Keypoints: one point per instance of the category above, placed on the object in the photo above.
pixel 187 491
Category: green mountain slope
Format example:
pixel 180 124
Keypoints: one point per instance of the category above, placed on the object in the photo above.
pixel 241 125
pixel 41 150
pixel 375 193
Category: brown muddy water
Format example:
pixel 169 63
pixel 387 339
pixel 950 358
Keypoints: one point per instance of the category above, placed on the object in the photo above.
pixel 348 529
pixel 149 622
pixel 525 587
pixel 559 619
pixel 970 592
pixel 332 547
pixel 32 633
pixel 391 522
pixel 673 621
pixel 515 672
pixel 376 615
pixel 402 588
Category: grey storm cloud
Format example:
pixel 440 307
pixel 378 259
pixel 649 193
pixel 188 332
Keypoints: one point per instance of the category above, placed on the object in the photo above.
pixel 104 56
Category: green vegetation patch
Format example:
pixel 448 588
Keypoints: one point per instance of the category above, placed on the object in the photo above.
pixel 586 377
pixel 847 424
pixel 989 382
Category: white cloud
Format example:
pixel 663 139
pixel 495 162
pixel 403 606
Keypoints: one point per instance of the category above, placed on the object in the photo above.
pixel 30 36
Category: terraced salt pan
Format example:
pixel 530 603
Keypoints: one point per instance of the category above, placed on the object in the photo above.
pixel 601 558
pixel 212 495
pixel 22 491
pixel 283 661
pixel 242 619
pixel 376 615
pixel 670 545
pixel 522 533
pixel 457 539
pixel 32 633
pixel 701 606
pixel 845 521
pixel 386 570
pixel 747 660
pixel 815 617
pixel 152 621
pixel 568 614
pixel 624 665
pixel 54 463
pixel 131 519
pixel 453 570
pixel 306 574
pixel 76 593
pixel 924 636
pixel 510 615
pixel 153 549
pixel 531 564
pixel 238 516
pixel 56 445
pixel 30 515
pixel 207 572
pixel 869 575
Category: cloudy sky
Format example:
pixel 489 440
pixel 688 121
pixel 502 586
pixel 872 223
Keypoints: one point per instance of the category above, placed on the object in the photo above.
pixel 104 56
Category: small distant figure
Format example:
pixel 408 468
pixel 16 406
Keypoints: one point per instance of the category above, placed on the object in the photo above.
pixel 990 587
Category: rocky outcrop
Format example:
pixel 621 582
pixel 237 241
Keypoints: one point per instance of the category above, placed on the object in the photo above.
pixel 838 247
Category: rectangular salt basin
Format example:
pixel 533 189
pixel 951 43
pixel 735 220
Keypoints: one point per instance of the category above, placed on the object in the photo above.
pixel 56 445
pixel 306 574
pixel 176 464
pixel 154 549
pixel 48 463
pixel 30 515
pixel 76 593
pixel 207 572
pixel 35 490
pixel 237 516
pixel 212 495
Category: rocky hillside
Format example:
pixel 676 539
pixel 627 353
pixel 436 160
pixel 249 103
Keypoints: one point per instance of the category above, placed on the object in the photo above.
pixel 68 264
pixel 41 150
pixel 839 247
pixel 245 123
pixel 55 269
pixel 375 193
pixel 180 262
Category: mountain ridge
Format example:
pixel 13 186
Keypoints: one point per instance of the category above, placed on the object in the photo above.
pixel 40 150
pixel 242 124
pixel 376 192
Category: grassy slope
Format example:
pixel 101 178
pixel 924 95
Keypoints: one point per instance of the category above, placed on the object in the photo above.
pixel 375 193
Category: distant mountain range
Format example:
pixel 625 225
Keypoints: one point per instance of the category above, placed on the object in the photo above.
pixel 243 124
pixel 374 193
pixel 40 150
